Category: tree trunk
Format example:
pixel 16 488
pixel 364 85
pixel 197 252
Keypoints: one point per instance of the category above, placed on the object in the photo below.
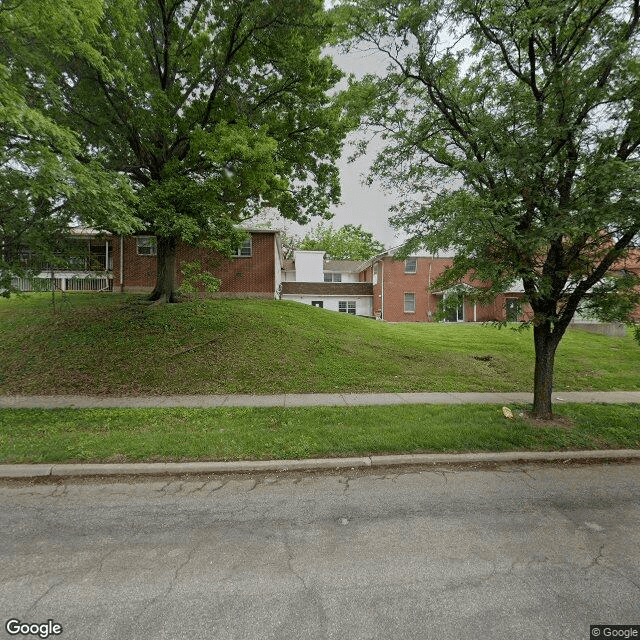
pixel 545 343
pixel 166 274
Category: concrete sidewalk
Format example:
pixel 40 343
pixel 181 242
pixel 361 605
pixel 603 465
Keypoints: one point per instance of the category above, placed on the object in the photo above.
pixel 305 400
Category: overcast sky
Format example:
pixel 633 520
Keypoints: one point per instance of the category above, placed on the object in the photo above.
pixel 361 204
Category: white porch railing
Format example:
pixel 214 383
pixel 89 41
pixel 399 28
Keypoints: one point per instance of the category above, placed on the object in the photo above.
pixel 71 283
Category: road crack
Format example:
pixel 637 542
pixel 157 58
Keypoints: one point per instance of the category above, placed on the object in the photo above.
pixel 171 585
pixel 44 595
pixel 202 485
pixel 222 485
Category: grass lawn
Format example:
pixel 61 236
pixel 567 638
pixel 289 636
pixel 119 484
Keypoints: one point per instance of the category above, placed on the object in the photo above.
pixel 102 435
pixel 111 344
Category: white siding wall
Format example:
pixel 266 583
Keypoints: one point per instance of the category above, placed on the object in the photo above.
pixel 309 266
pixel 291 276
pixel 363 303
pixel 346 277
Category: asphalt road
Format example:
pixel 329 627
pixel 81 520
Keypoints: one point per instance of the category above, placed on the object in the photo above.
pixel 512 553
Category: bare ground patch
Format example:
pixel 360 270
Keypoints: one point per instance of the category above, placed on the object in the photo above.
pixel 556 422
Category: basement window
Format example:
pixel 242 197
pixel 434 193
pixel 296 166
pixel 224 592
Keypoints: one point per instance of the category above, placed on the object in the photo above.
pixel 146 246
pixel 345 306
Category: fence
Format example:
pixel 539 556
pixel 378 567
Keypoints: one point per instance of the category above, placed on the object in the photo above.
pixel 63 284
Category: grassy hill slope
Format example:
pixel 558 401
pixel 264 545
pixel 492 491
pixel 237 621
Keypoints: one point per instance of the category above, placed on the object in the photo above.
pixel 112 344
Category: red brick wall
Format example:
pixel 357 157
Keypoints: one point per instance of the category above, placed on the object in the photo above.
pixel 138 271
pixel 397 283
pixel 255 274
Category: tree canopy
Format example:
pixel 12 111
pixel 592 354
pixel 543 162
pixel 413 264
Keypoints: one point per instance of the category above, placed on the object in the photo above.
pixel 45 181
pixel 349 242
pixel 213 110
pixel 512 135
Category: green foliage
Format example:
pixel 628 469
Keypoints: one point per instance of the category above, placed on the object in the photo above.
pixel 516 145
pixel 455 296
pixel 45 180
pixel 214 110
pixel 512 138
pixel 194 279
pixel 349 242
pixel 614 298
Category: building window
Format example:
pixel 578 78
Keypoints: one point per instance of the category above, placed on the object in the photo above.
pixel 146 246
pixel 409 302
pixel 375 273
pixel 244 250
pixel 410 265
pixel 333 277
pixel 347 307
pixel 317 303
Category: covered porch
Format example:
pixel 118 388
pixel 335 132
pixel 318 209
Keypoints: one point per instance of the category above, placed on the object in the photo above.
pixel 83 263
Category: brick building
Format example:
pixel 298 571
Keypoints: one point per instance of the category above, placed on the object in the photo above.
pixel 254 271
pixel 382 287
pixel 403 291
pixel 105 262
pixel 386 288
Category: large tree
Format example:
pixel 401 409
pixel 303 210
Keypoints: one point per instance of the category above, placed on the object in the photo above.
pixel 214 110
pixel 46 182
pixel 349 242
pixel 512 133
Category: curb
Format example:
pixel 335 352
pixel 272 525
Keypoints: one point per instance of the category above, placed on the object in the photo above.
pixel 26 471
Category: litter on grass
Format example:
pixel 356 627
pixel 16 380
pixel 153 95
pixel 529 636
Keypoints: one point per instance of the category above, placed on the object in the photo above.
pixel 507 413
